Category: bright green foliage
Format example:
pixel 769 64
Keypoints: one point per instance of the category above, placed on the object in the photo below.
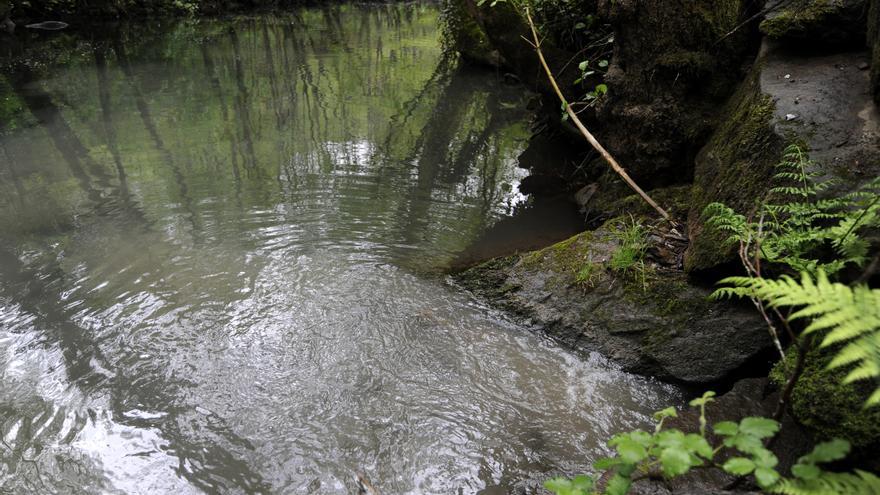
pixel 633 238
pixel 793 225
pixel 845 315
pixel 669 453
pixel 810 479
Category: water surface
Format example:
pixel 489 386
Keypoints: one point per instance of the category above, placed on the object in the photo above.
pixel 220 267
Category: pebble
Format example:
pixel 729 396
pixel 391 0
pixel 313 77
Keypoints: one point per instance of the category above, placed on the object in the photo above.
pixel 864 66
pixel 790 116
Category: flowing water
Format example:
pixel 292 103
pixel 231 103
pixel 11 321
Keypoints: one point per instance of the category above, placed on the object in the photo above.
pixel 221 267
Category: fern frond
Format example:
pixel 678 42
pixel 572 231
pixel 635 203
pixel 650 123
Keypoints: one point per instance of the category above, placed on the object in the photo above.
pixel 857 483
pixel 846 315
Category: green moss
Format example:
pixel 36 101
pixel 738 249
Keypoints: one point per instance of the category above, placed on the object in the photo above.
pixel 798 20
pixel 735 167
pixel 675 199
pixel 463 33
pixel 832 409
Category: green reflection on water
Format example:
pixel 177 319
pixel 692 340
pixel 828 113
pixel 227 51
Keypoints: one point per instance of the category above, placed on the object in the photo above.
pixel 350 120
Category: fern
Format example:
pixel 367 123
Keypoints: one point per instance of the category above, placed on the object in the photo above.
pixel 848 316
pixel 860 482
pixel 793 224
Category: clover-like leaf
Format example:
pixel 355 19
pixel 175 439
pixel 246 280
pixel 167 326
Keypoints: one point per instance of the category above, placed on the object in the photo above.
pixel 675 462
pixel 696 443
pixel 758 427
pixel 726 428
pixel 618 485
pixel 739 466
pixel 806 471
pixel 631 451
pixel 766 477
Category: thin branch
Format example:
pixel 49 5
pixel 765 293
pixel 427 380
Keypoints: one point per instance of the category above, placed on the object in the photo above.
pixel 592 140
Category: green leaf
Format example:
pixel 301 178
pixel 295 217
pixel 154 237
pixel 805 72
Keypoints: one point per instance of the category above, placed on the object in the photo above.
pixel 726 428
pixel 698 444
pixel 580 25
pixel 669 412
pixel 631 451
pixel 641 437
pixel 603 63
pixel 583 483
pixel 675 462
pixel 806 471
pixel 618 485
pixel 601 89
pixel 766 477
pixel 745 443
pixel 606 463
pixel 558 485
pixel 764 458
pixel 739 466
pixel 827 452
pixel 583 65
pixel 758 427
pixel 705 399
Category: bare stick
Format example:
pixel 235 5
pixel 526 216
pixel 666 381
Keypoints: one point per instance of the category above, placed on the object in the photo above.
pixel 577 122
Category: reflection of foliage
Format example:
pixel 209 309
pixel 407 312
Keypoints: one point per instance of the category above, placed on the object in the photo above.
pixel 320 99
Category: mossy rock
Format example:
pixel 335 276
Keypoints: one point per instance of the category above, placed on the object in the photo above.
pixel 463 31
pixel 650 319
pixel 735 168
pixel 674 64
pixel 819 23
pixel 821 402
pixel 821 102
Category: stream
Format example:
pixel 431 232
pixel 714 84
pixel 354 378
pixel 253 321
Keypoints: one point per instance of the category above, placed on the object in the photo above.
pixel 222 255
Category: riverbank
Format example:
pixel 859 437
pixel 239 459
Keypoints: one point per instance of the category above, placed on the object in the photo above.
pixel 700 101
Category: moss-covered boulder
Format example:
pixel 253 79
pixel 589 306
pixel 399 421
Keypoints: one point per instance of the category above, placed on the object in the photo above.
pixel 674 64
pixel 585 293
pixel 733 168
pixel 465 34
pixel 820 23
pixel 830 408
pixel 822 102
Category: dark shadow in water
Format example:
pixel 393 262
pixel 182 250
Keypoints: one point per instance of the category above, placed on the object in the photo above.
pixel 149 124
pixel 26 85
pixel 99 51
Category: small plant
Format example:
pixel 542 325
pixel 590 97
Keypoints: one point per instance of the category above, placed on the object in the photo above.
pixel 584 276
pixel 740 450
pixel 630 255
pixel 845 315
pixel 794 230
pixel 793 226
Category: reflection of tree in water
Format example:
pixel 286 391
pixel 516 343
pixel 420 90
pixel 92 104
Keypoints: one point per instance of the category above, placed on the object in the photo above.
pixel 309 98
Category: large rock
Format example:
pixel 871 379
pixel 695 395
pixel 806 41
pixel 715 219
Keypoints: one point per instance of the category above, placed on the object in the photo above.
pixel 820 23
pixel 675 63
pixel 830 408
pixel 651 321
pixel 823 102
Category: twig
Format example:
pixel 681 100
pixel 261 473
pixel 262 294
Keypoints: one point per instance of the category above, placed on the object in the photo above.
pixel 785 397
pixel 592 140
